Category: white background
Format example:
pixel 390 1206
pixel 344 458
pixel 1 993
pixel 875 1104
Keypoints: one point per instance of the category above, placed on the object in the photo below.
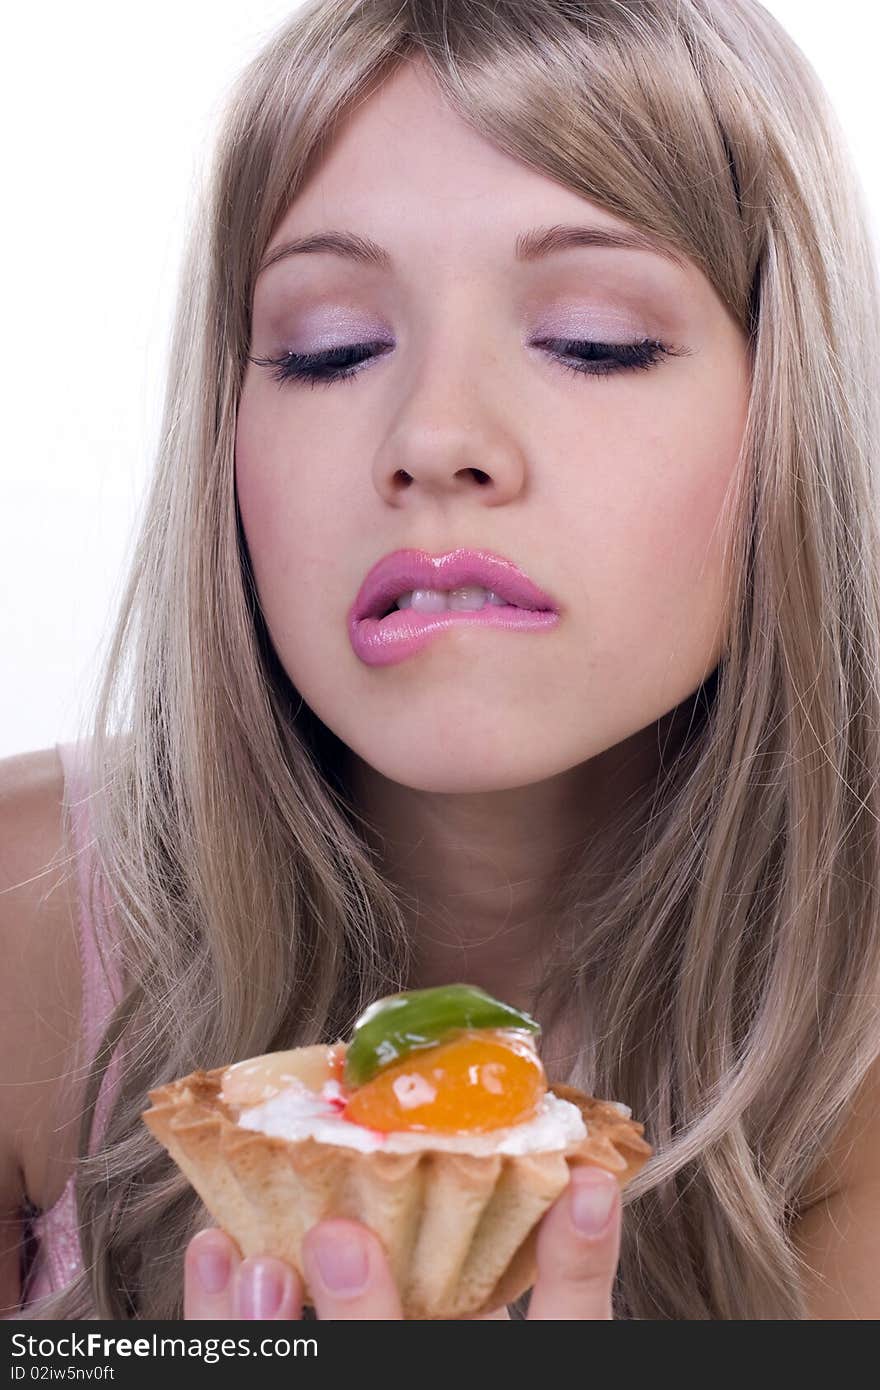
pixel 108 114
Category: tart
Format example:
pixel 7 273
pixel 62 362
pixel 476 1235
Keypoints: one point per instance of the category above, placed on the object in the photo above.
pixel 434 1125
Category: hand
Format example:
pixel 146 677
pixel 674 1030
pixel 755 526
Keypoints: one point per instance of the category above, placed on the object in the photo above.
pixel 575 1269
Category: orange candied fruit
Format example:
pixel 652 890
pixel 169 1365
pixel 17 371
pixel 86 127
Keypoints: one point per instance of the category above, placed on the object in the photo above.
pixel 480 1079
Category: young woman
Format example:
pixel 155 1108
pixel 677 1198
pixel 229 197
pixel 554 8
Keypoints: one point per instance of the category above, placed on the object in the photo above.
pixel 574 305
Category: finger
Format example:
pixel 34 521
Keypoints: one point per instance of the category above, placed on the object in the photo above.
pixel 578 1249
pixel 267 1288
pixel 348 1272
pixel 209 1269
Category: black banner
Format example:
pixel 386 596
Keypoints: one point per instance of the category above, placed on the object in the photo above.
pixel 134 1354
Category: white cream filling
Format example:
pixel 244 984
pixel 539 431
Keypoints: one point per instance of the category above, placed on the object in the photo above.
pixel 297 1112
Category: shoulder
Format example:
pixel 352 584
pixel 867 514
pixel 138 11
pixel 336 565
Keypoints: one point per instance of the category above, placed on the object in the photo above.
pixel 40 988
pixel 838 1234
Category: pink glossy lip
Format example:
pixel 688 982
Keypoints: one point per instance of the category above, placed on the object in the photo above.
pixel 404 570
pixel 385 641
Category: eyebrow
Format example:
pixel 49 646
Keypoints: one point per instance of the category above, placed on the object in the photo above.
pixel 529 246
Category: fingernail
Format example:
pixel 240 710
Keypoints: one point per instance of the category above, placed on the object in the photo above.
pixel 592 1201
pixel 212 1268
pixel 260 1289
pixel 342 1261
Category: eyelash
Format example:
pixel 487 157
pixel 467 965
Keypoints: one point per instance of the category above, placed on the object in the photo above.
pixel 326 368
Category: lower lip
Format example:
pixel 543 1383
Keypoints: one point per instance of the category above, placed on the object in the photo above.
pixel 385 641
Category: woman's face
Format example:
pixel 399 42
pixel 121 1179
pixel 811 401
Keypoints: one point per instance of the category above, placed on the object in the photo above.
pixel 465 429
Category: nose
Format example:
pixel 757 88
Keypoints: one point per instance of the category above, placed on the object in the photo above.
pixel 448 458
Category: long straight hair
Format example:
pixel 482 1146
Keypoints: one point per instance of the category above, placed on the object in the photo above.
pixel 720 942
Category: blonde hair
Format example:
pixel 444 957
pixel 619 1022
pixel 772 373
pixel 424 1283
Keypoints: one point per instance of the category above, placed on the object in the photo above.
pixel 731 915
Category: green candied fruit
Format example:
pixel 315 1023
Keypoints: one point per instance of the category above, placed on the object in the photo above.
pixel 402 1023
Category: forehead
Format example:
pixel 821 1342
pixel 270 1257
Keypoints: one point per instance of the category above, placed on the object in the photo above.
pixel 404 161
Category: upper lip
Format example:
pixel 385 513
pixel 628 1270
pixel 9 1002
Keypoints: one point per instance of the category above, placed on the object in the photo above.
pixel 405 570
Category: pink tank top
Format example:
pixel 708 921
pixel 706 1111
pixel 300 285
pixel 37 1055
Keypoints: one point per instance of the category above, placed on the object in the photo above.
pixel 57 1257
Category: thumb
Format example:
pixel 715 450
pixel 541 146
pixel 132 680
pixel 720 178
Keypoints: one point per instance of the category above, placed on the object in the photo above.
pixel 578 1248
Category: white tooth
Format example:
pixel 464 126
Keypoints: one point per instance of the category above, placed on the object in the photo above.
pixel 468 598
pixel 428 601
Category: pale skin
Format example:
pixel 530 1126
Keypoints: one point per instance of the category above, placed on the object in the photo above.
pixel 484 759
pixel 480 762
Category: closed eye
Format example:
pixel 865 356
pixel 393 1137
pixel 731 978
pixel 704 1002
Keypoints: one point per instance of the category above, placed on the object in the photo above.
pixel 573 354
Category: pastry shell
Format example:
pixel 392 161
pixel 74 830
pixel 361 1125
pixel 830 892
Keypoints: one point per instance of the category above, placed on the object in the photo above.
pixel 459 1230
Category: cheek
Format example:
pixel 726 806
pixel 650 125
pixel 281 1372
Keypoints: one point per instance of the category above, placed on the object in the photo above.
pixel 676 536
pixel 291 521
pixel 271 484
pixel 677 569
pixel 267 503
pixel 657 564
pixel 255 469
